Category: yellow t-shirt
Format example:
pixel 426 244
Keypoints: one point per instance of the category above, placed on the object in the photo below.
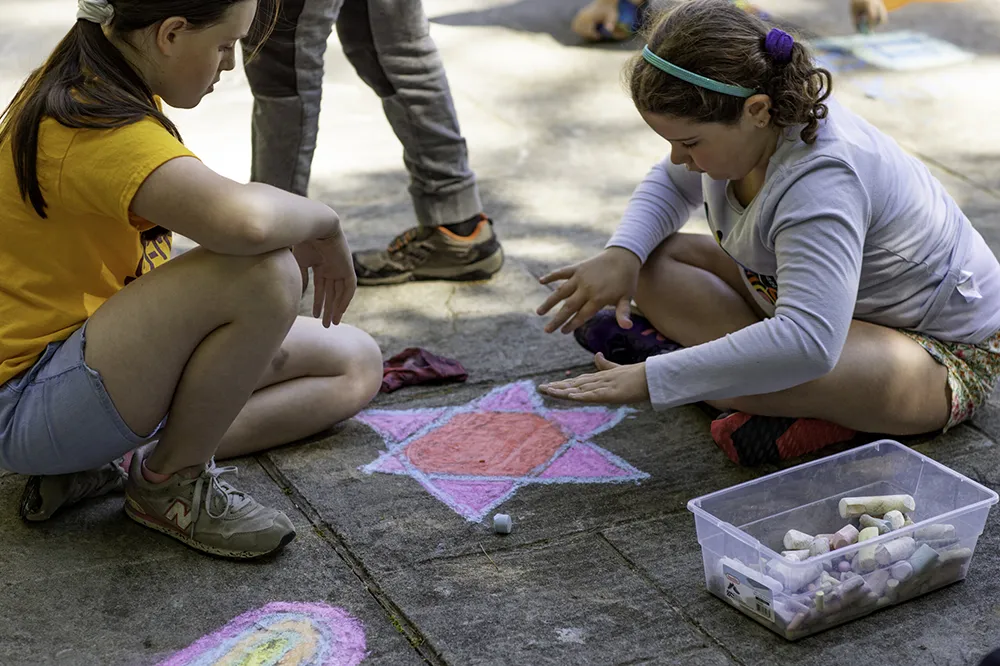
pixel 56 272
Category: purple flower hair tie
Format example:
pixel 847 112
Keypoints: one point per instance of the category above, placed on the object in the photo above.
pixel 778 44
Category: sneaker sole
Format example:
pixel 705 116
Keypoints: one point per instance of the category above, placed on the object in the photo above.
pixel 152 523
pixel 483 269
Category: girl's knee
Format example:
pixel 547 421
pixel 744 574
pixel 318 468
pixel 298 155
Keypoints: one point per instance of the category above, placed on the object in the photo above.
pixel 694 249
pixel 278 278
pixel 691 249
pixel 370 365
pixel 272 280
pixel 268 285
pixel 364 367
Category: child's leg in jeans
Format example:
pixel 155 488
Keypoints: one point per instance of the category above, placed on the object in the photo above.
pixel 884 382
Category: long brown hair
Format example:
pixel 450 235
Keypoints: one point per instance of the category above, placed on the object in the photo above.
pixel 714 38
pixel 87 83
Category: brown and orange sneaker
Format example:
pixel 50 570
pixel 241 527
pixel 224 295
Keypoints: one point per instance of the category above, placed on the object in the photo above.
pixel 433 253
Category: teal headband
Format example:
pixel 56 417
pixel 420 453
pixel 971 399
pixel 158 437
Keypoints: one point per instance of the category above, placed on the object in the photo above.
pixel 698 80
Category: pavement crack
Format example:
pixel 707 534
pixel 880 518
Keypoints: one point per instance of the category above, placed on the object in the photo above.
pixel 652 582
pixel 452 315
pixel 326 531
pixel 548 542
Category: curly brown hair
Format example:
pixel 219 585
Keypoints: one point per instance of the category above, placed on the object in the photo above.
pixel 716 39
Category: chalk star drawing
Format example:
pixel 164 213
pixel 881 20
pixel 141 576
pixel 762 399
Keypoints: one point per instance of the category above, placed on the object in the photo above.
pixel 474 457
pixel 280 633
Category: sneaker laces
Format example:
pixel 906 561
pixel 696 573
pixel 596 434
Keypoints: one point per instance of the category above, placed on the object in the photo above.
pixel 209 486
pixel 400 242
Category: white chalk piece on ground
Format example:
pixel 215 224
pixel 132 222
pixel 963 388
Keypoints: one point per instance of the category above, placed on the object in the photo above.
pixel 502 524
pixel 875 506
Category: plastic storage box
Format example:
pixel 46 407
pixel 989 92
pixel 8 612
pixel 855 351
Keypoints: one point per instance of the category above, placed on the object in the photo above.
pixel 741 531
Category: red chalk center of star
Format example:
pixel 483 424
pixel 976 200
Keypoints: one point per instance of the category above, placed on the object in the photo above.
pixel 475 456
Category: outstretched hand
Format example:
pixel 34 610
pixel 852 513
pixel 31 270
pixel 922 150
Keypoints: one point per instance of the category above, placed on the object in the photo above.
pixel 608 279
pixel 612 384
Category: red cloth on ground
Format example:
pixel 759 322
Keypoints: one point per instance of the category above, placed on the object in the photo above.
pixel 418 366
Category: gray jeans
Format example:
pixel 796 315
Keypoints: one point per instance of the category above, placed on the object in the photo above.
pixel 389 44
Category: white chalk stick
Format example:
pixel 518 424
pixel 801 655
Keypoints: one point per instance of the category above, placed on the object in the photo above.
pixel 876 505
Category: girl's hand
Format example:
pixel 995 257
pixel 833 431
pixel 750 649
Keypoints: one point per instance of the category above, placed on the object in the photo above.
pixel 868 13
pixel 611 384
pixel 333 271
pixel 597 13
pixel 607 279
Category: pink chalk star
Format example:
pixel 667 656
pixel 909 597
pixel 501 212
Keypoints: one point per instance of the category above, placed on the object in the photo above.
pixel 473 457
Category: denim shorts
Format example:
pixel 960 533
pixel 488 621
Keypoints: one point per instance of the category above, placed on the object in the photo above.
pixel 56 417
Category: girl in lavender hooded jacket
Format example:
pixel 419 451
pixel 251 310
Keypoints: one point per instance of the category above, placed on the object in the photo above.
pixel 842 288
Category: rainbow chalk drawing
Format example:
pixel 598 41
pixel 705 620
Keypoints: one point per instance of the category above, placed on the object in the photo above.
pixel 281 634
pixel 474 457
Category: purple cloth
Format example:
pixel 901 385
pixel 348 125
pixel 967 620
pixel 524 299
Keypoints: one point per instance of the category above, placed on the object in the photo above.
pixel 418 366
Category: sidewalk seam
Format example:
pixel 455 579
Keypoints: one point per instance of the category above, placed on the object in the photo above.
pixel 652 582
pixel 325 531
pixel 542 544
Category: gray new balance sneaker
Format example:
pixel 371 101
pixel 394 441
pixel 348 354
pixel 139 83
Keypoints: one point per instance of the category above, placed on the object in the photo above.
pixel 206 513
pixel 43 496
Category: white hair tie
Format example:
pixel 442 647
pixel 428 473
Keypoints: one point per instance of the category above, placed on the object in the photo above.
pixel 96 11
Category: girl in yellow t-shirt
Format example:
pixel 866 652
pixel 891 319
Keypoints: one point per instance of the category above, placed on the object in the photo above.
pixel 102 348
